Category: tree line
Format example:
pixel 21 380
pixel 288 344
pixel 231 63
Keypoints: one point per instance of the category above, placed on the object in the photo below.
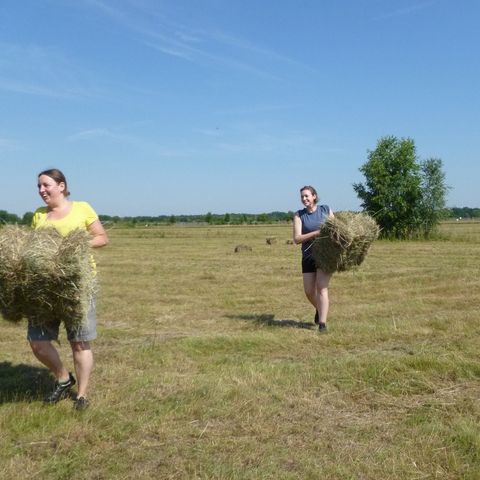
pixel 405 194
pixel 148 220
pixel 212 218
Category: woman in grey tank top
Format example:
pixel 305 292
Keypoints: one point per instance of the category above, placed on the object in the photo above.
pixel 306 227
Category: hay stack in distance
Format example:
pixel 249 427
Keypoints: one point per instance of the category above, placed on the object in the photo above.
pixel 51 275
pixel 344 241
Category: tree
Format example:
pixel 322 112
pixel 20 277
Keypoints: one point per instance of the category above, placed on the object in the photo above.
pixel 6 217
pixel 434 189
pixel 405 196
pixel 27 218
pixel 392 191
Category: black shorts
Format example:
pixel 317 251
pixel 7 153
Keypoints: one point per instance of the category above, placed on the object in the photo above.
pixel 308 265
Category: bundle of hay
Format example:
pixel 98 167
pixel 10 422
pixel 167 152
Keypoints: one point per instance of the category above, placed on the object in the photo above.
pixel 344 241
pixel 52 276
pixel 12 244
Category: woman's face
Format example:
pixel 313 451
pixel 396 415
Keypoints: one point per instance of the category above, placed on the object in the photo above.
pixel 308 198
pixel 50 191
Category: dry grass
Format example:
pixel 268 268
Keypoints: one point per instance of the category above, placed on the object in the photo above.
pixel 208 366
pixel 45 276
pixel 12 244
pixel 344 241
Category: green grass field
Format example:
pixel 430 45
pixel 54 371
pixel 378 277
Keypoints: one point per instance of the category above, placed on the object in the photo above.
pixel 209 365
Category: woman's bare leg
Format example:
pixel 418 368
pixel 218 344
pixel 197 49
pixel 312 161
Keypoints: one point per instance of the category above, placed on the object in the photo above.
pixel 47 354
pixel 83 362
pixel 322 280
pixel 309 286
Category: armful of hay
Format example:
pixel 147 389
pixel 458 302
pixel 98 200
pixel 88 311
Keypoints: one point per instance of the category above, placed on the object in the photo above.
pixel 344 241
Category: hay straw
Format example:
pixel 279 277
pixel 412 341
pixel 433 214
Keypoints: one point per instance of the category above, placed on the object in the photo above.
pixel 12 243
pixel 344 241
pixel 52 276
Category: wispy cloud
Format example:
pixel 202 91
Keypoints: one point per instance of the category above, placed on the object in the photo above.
pixel 8 145
pixel 411 9
pixel 21 86
pixel 195 44
pixel 95 133
pixel 201 52
pixel 265 143
pixel 240 139
pixel 140 144
pixel 251 48
pixel 44 71
pixel 255 109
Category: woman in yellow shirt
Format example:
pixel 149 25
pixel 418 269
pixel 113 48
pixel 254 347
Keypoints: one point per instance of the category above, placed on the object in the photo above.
pixel 65 216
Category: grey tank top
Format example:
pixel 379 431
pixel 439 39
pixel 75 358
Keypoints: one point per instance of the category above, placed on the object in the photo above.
pixel 312 222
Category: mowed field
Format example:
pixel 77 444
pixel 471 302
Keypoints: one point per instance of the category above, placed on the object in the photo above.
pixel 209 365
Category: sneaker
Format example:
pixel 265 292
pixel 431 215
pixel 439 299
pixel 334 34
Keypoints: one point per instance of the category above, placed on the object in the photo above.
pixel 316 320
pixel 322 327
pixel 62 389
pixel 81 403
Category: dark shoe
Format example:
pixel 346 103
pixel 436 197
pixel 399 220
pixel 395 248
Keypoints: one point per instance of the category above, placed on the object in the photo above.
pixel 81 403
pixel 62 389
pixel 322 327
pixel 317 318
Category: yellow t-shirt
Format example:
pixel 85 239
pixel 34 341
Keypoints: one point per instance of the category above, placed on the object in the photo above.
pixel 81 216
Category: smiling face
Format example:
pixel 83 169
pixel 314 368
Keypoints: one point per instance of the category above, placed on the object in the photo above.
pixel 308 198
pixel 52 193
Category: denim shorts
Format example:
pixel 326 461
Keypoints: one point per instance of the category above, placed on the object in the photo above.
pixel 87 332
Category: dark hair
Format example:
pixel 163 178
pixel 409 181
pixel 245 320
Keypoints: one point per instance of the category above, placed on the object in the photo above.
pixel 58 176
pixel 312 190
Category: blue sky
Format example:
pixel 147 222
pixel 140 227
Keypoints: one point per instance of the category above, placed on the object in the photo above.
pixel 157 107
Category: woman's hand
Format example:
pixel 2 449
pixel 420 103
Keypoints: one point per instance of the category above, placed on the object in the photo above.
pixel 298 237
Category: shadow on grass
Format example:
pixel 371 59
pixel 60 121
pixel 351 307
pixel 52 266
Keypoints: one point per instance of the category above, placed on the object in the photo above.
pixel 23 382
pixel 269 319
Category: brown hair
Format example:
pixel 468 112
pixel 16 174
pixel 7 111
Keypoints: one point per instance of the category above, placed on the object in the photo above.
pixel 312 191
pixel 58 176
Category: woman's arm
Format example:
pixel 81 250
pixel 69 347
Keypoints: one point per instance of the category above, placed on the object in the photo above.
pixel 98 233
pixel 298 237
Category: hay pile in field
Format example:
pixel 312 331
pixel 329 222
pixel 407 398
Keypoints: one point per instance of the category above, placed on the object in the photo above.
pixel 44 276
pixel 344 241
